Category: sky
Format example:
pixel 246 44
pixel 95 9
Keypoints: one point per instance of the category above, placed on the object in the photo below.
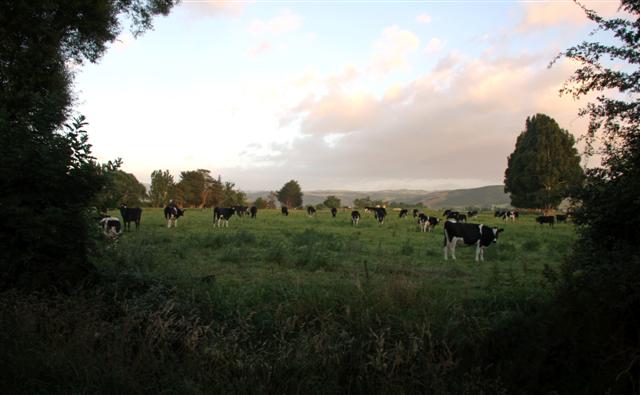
pixel 351 95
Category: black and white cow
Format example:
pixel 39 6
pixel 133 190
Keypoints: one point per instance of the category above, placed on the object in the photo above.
pixel 240 211
pixel 110 226
pixel 403 213
pixel 379 213
pixel 427 223
pixel 480 235
pixel 254 211
pixel 472 213
pixel 546 219
pixel 509 215
pixel 561 217
pixel 355 218
pixel 311 211
pixel 130 214
pixel 221 216
pixel 334 212
pixel 415 213
pixel 171 214
pixel 285 211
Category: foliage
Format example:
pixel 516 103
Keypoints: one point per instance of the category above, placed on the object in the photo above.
pixel 49 178
pixel 120 188
pixel 367 202
pixel 290 195
pixel 332 202
pixel 261 203
pixel 162 188
pixel 232 196
pixel 544 166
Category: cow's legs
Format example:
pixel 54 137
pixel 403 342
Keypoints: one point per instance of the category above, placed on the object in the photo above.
pixel 478 250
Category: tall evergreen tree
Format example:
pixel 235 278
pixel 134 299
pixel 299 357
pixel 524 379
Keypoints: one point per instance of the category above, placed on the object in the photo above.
pixel 544 166
pixel 290 195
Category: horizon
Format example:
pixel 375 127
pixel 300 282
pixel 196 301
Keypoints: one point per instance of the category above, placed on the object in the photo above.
pixel 338 96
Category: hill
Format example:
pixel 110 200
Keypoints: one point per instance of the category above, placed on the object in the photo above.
pixel 488 196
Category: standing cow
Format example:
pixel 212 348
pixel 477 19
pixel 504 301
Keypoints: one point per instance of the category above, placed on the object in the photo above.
pixel 480 235
pixel 171 214
pixel 130 214
pixel 355 218
pixel 334 212
pixel 285 211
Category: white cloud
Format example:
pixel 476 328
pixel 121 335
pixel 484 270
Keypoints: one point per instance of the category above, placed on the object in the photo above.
pixel 424 18
pixel 286 21
pixel 259 49
pixel 538 15
pixel 209 8
pixel 392 49
pixel 434 45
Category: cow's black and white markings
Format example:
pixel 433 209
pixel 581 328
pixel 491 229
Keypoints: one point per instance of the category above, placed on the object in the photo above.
pixel 472 213
pixel 130 214
pixel 240 211
pixel 311 211
pixel 480 235
pixel 379 213
pixel 285 211
pixel 403 213
pixel 334 212
pixel 355 217
pixel 254 211
pixel 427 223
pixel 221 216
pixel 546 219
pixel 110 226
pixel 171 214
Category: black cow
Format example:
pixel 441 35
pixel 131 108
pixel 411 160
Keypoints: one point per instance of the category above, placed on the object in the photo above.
pixel 379 213
pixel 546 219
pixel 285 211
pixel 171 214
pixel 130 214
pixel 311 211
pixel 254 211
pixel 415 213
pixel 448 212
pixel 334 212
pixel 221 216
pixel 403 213
pixel 240 211
pixel 110 226
pixel 561 217
pixel 355 218
pixel 480 235
pixel 472 213
pixel 427 223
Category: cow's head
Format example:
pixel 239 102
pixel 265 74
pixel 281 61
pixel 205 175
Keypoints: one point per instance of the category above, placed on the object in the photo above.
pixel 496 232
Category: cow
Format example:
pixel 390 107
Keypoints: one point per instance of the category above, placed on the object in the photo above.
pixel 472 213
pixel 355 218
pixel 311 211
pixel 480 235
pixel 334 212
pixel 415 213
pixel 379 213
pixel 403 213
pixel 110 226
pixel 254 211
pixel 448 212
pixel 221 215
pixel 427 223
pixel 546 219
pixel 240 211
pixel 561 217
pixel 130 214
pixel 171 214
pixel 456 216
pixel 285 211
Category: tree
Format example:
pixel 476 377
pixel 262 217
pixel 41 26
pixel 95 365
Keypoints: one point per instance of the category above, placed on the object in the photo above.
pixel 544 166
pixel 332 202
pixel 232 197
pixel 367 202
pixel 49 177
pixel 120 188
pixel 261 203
pixel 162 188
pixel 290 195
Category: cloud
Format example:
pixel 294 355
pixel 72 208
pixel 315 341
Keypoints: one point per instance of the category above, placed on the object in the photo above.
pixel 424 18
pixel 537 15
pixel 210 8
pixel 286 21
pixel 392 49
pixel 434 45
pixel 259 49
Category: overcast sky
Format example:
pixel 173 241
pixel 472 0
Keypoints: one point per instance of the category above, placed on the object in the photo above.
pixel 335 94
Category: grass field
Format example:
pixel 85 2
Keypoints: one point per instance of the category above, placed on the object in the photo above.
pixel 288 305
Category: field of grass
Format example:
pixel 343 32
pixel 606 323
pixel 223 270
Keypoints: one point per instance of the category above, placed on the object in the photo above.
pixel 290 304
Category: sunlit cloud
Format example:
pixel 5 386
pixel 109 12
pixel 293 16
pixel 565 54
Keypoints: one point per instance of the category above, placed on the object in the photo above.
pixel 208 8
pixel 285 22
pixel 260 49
pixel 392 49
pixel 434 45
pixel 538 15
pixel 424 18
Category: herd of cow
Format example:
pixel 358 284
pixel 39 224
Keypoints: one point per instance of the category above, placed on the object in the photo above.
pixel 456 228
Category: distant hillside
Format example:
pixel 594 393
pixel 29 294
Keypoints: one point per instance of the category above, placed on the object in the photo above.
pixel 492 195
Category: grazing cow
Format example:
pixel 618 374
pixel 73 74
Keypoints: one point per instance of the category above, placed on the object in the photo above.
pixel 480 235
pixel 507 215
pixel 427 223
pixel 452 215
pixel 546 219
pixel 448 212
pixel 415 213
pixel 311 211
pixel 110 226
pixel 334 212
pixel 254 211
pixel 561 217
pixel 221 216
pixel 129 215
pixel 472 213
pixel 379 213
pixel 171 214
pixel 285 211
pixel 240 211
pixel 355 218
pixel 403 213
